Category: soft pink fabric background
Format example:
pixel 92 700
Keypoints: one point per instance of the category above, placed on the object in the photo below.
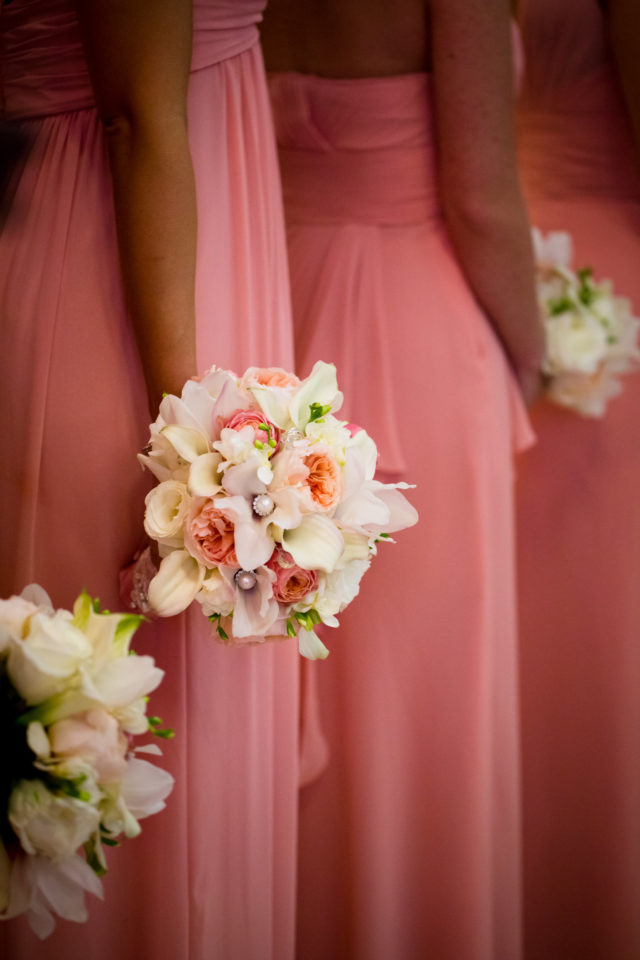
pixel 579 526
pixel 213 875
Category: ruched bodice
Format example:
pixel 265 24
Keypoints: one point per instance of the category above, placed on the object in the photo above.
pixel 574 130
pixel 372 136
pixel 43 67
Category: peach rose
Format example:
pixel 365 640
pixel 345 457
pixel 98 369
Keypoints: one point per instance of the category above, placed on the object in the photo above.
pixel 209 535
pixel 323 480
pixel 257 420
pixel 270 377
pixel 293 583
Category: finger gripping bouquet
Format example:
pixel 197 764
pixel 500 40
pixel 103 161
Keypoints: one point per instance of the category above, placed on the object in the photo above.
pixel 72 699
pixel 266 512
pixel 591 333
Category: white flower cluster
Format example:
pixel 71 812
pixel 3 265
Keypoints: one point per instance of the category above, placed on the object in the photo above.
pixel 266 511
pixel 591 333
pixel 71 698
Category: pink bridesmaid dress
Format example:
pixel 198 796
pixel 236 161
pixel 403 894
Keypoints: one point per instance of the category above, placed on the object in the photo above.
pixel 410 835
pixel 579 525
pixel 213 876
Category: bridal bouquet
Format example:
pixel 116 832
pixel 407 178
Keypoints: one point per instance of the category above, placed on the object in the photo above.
pixel 72 697
pixel 591 333
pixel 266 512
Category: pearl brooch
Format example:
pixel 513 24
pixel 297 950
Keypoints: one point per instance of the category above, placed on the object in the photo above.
pixel 246 579
pixel 263 505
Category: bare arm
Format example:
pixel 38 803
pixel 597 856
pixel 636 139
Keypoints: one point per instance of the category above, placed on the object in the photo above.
pixel 624 31
pixel 483 204
pixel 139 55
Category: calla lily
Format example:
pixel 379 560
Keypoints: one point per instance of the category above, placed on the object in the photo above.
pixel 176 584
pixel 203 475
pixel 321 386
pixel 274 404
pixel 316 544
pixel 311 646
pixel 188 442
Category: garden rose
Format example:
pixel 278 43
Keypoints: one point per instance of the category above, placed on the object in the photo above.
pixel 255 419
pixel 323 479
pixel 269 377
pixel 293 583
pixel 209 535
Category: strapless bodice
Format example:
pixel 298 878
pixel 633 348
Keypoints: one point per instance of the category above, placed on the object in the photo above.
pixel 372 138
pixel 43 66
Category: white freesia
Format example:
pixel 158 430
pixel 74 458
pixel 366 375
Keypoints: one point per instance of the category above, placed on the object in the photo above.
pixel 167 506
pixel 176 583
pixel 51 652
pixel 47 824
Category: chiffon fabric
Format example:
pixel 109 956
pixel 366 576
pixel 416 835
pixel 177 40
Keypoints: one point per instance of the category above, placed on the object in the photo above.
pixel 579 525
pixel 409 820
pixel 213 875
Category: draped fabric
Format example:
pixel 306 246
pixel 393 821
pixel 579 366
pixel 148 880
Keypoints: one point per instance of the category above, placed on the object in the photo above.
pixel 409 832
pixel 214 874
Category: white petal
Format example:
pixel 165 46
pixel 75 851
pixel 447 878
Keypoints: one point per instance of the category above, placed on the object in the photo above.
pixel 188 442
pixel 321 386
pixel 121 682
pixel 38 740
pixel 243 480
pixel 402 514
pixel 34 593
pixel 316 544
pixel 203 475
pixel 145 787
pixel 311 646
pixel 274 405
pixel 176 584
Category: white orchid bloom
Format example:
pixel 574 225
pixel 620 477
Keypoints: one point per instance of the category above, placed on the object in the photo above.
pixel 255 610
pixel 176 583
pixel 40 888
pixel 320 387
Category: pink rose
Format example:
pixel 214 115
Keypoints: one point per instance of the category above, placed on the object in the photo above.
pixel 323 480
pixel 293 583
pixel 209 535
pixel 257 420
pixel 96 737
pixel 270 377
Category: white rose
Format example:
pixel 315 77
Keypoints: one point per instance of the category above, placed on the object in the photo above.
pixel 576 342
pixel 167 506
pixel 47 824
pixel 40 664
